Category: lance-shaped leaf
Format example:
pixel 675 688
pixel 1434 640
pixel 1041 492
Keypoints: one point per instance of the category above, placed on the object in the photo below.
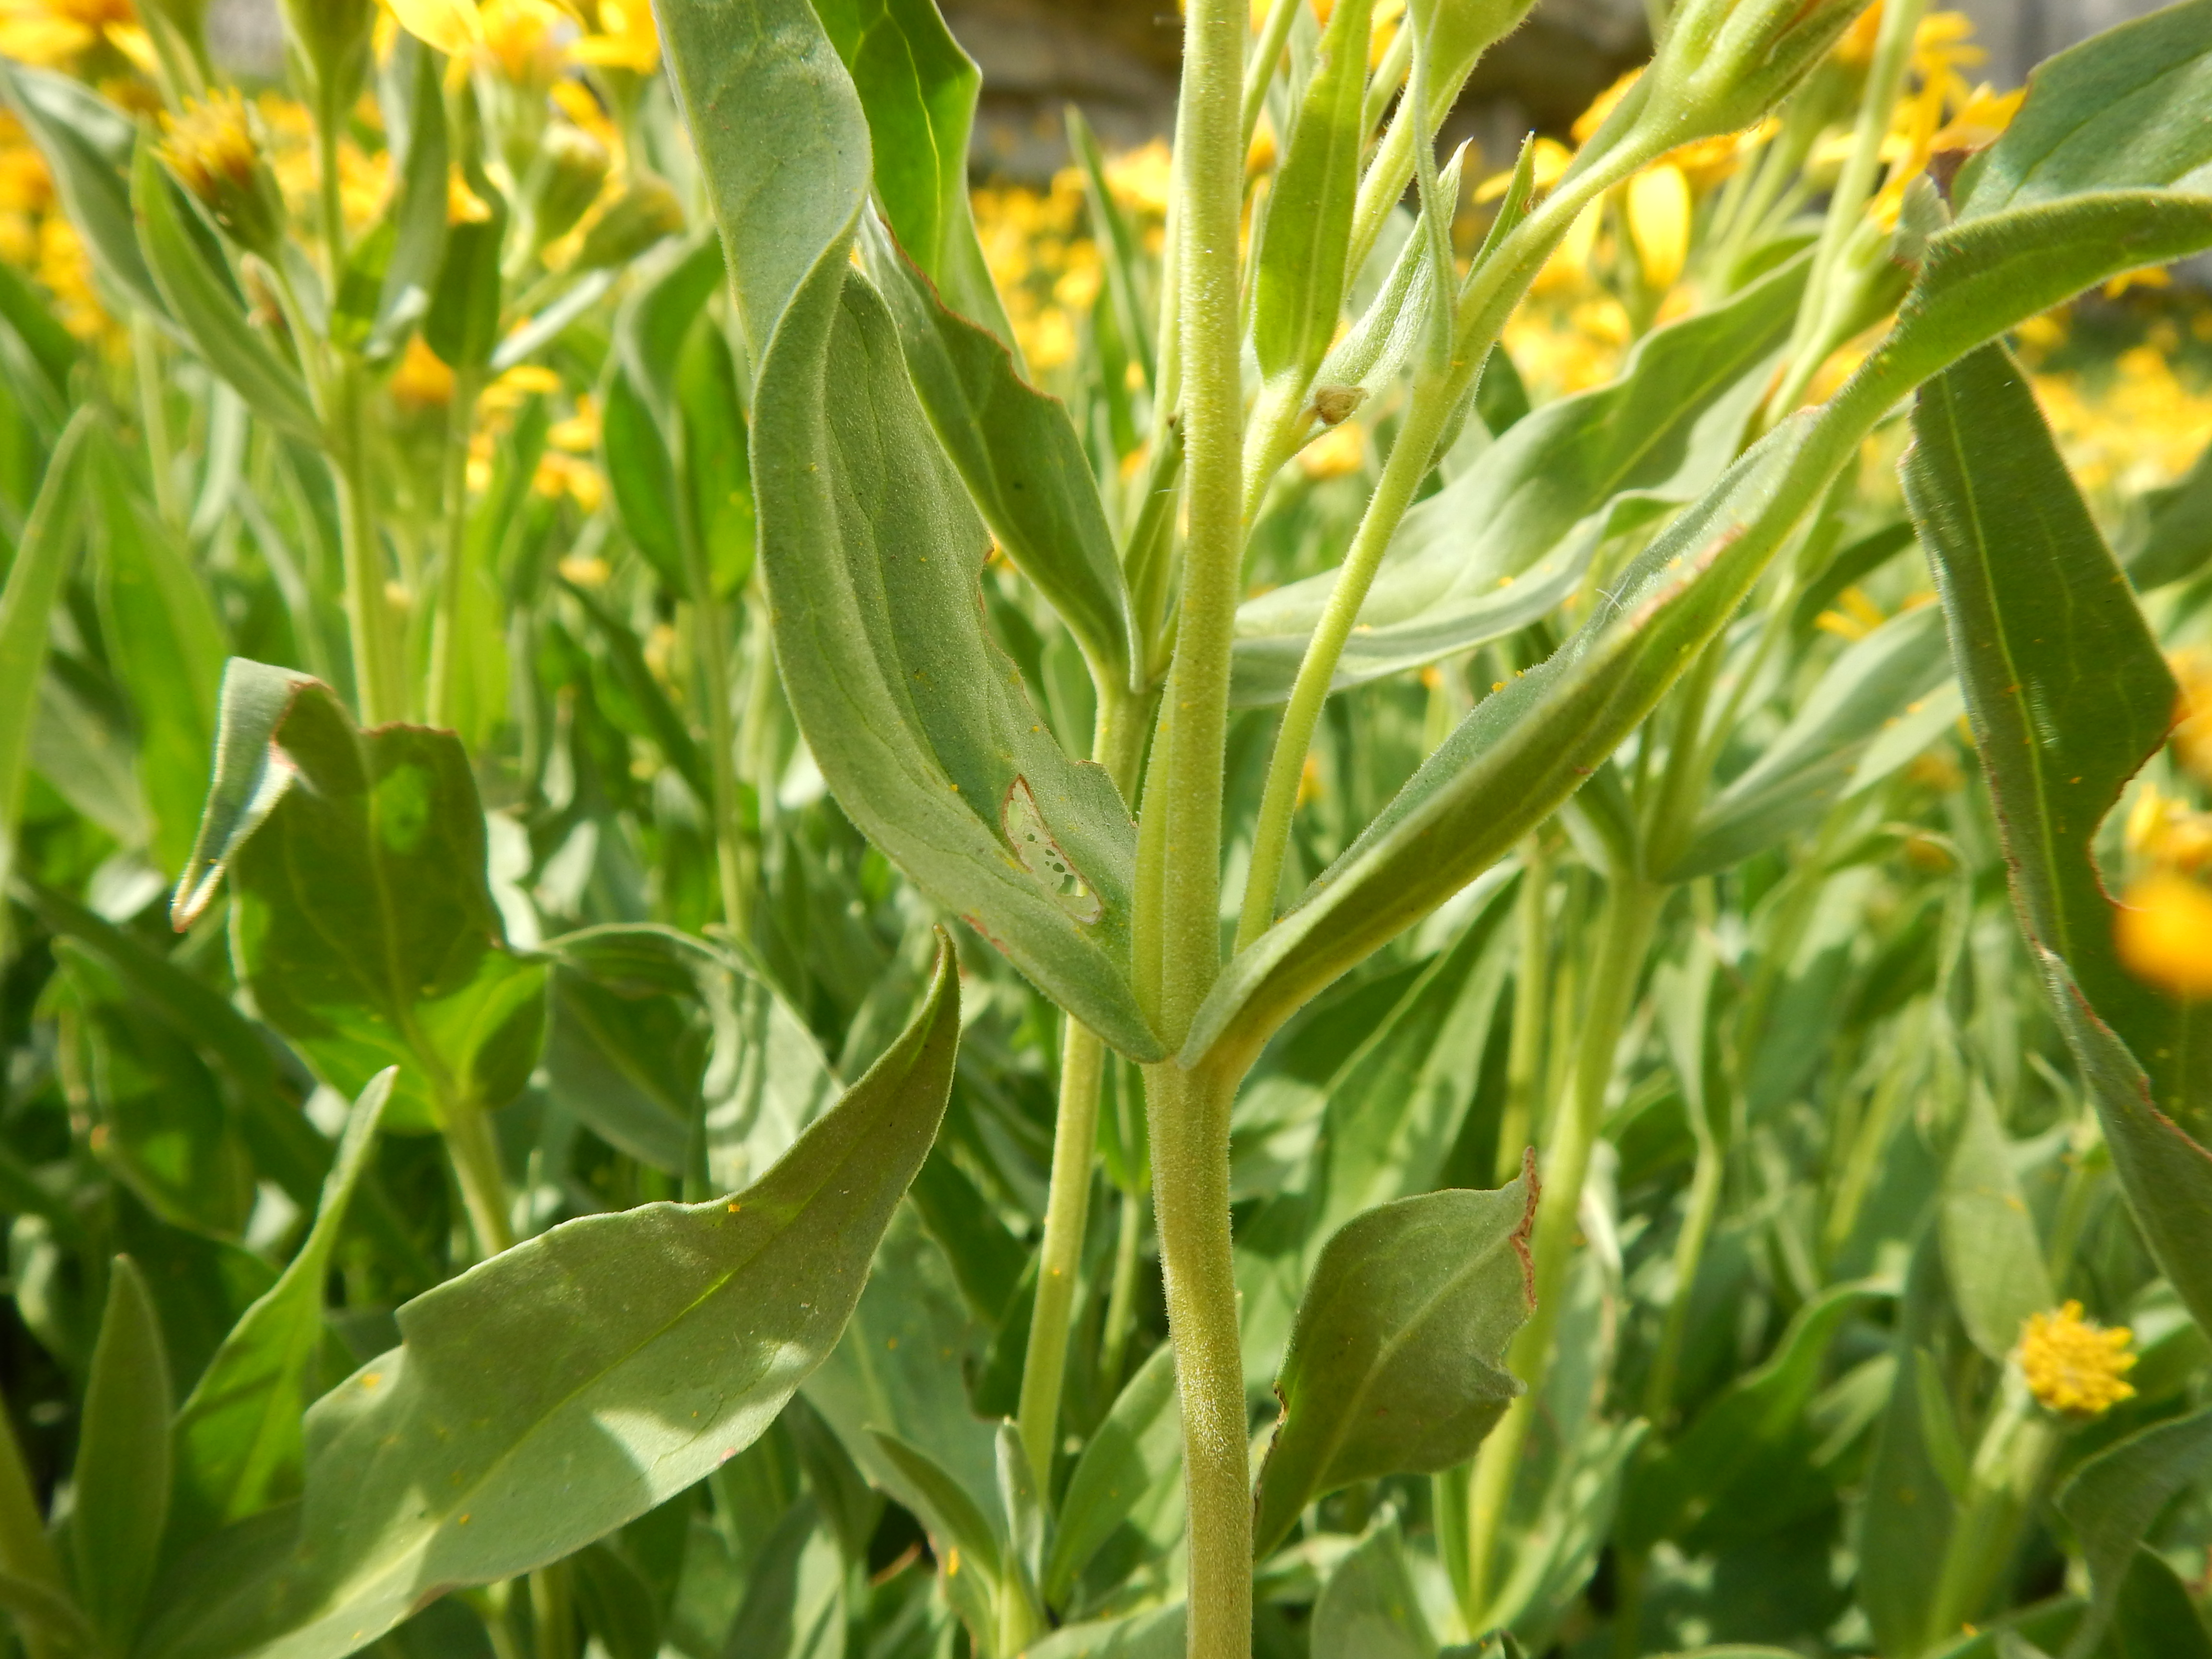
pixel 2111 1500
pixel 360 920
pixel 870 550
pixel 1990 1251
pixel 1131 1462
pixel 1370 1609
pixel 1017 452
pixel 568 1385
pixel 122 1475
pixel 1528 747
pixel 86 143
pixel 188 266
pixel 1801 775
pixel 917 88
pixel 1298 272
pixel 2130 106
pixel 2069 697
pixel 238 1437
pixel 1510 537
pixel 1397 1356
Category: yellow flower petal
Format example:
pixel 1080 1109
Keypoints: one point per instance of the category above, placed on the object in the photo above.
pixel 1659 223
pixel 452 26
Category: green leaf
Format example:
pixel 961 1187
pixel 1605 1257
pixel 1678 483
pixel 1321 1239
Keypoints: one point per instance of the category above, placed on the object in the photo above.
pixel 462 324
pixel 1801 773
pixel 162 1126
pixel 1131 1460
pixel 239 1443
pixel 2157 1616
pixel 152 597
pixel 1018 454
pixel 670 732
pixel 86 143
pixel 616 1604
pixel 2068 695
pixel 917 88
pixel 574 1382
pixel 1726 1457
pixel 1369 1608
pixel 642 474
pixel 960 1534
pixel 2111 1500
pixel 918 723
pixel 2177 542
pixel 716 465
pixel 794 1604
pixel 123 1460
pixel 1905 1524
pixel 1990 1251
pixel 1298 273
pixel 415 111
pixel 1511 537
pixel 47 1609
pixel 35 576
pixel 187 266
pixel 782 139
pixel 2126 108
pixel 1396 1362
pixel 1157 1634
pixel 652 1032
pixel 360 918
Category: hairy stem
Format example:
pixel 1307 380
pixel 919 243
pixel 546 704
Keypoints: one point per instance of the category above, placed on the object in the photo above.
pixel 1632 912
pixel 1188 1113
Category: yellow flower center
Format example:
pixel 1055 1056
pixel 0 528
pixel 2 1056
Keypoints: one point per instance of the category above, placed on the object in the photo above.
pixel 2074 1366
pixel 210 146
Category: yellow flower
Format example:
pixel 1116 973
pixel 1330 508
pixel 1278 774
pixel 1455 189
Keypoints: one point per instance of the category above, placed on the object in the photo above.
pixel 212 150
pixel 2163 831
pixel 1587 124
pixel 1340 450
pixel 2163 932
pixel 1139 179
pixel 1658 209
pixel 1549 160
pixel 2192 713
pixel 2074 1366
pixel 559 474
pixel 626 37
pixel 580 433
pixel 55 34
pixel 422 381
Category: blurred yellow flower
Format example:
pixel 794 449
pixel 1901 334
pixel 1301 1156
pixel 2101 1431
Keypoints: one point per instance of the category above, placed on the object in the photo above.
pixel 1658 212
pixel 559 474
pixel 579 435
pixel 2163 831
pixel 55 34
pixel 626 37
pixel 2074 1366
pixel 1340 450
pixel 2192 731
pixel 420 381
pixel 2163 932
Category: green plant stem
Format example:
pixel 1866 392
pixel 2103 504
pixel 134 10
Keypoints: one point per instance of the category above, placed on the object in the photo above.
pixel 1394 493
pixel 1210 194
pixel 1121 1296
pixel 153 416
pixel 1705 1187
pixel 1189 1114
pixel 474 1149
pixel 25 1553
pixel 710 644
pixel 379 685
pixel 454 573
pixel 2011 1460
pixel 1524 1053
pixel 1892 52
pixel 1267 53
pixel 552 1616
pixel 1871 1138
pixel 1631 912
pixel 1117 747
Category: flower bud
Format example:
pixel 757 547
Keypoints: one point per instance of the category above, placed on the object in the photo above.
pixel 632 222
pixel 1723 64
pixel 211 149
pixel 572 170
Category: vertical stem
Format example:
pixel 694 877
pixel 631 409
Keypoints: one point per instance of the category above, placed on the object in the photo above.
pixel 1122 1296
pixel 474 1149
pixel 379 685
pixel 1632 912
pixel 2010 1462
pixel 1401 475
pixel 1689 1250
pixel 153 416
pixel 1074 1149
pixel 1189 1117
pixel 711 644
pixel 1067 1206
pixel 552 1616
pixel 1524 1053
pixel 454 574
pixel 1210 192
pixel 1893 51
pixel 24 1551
